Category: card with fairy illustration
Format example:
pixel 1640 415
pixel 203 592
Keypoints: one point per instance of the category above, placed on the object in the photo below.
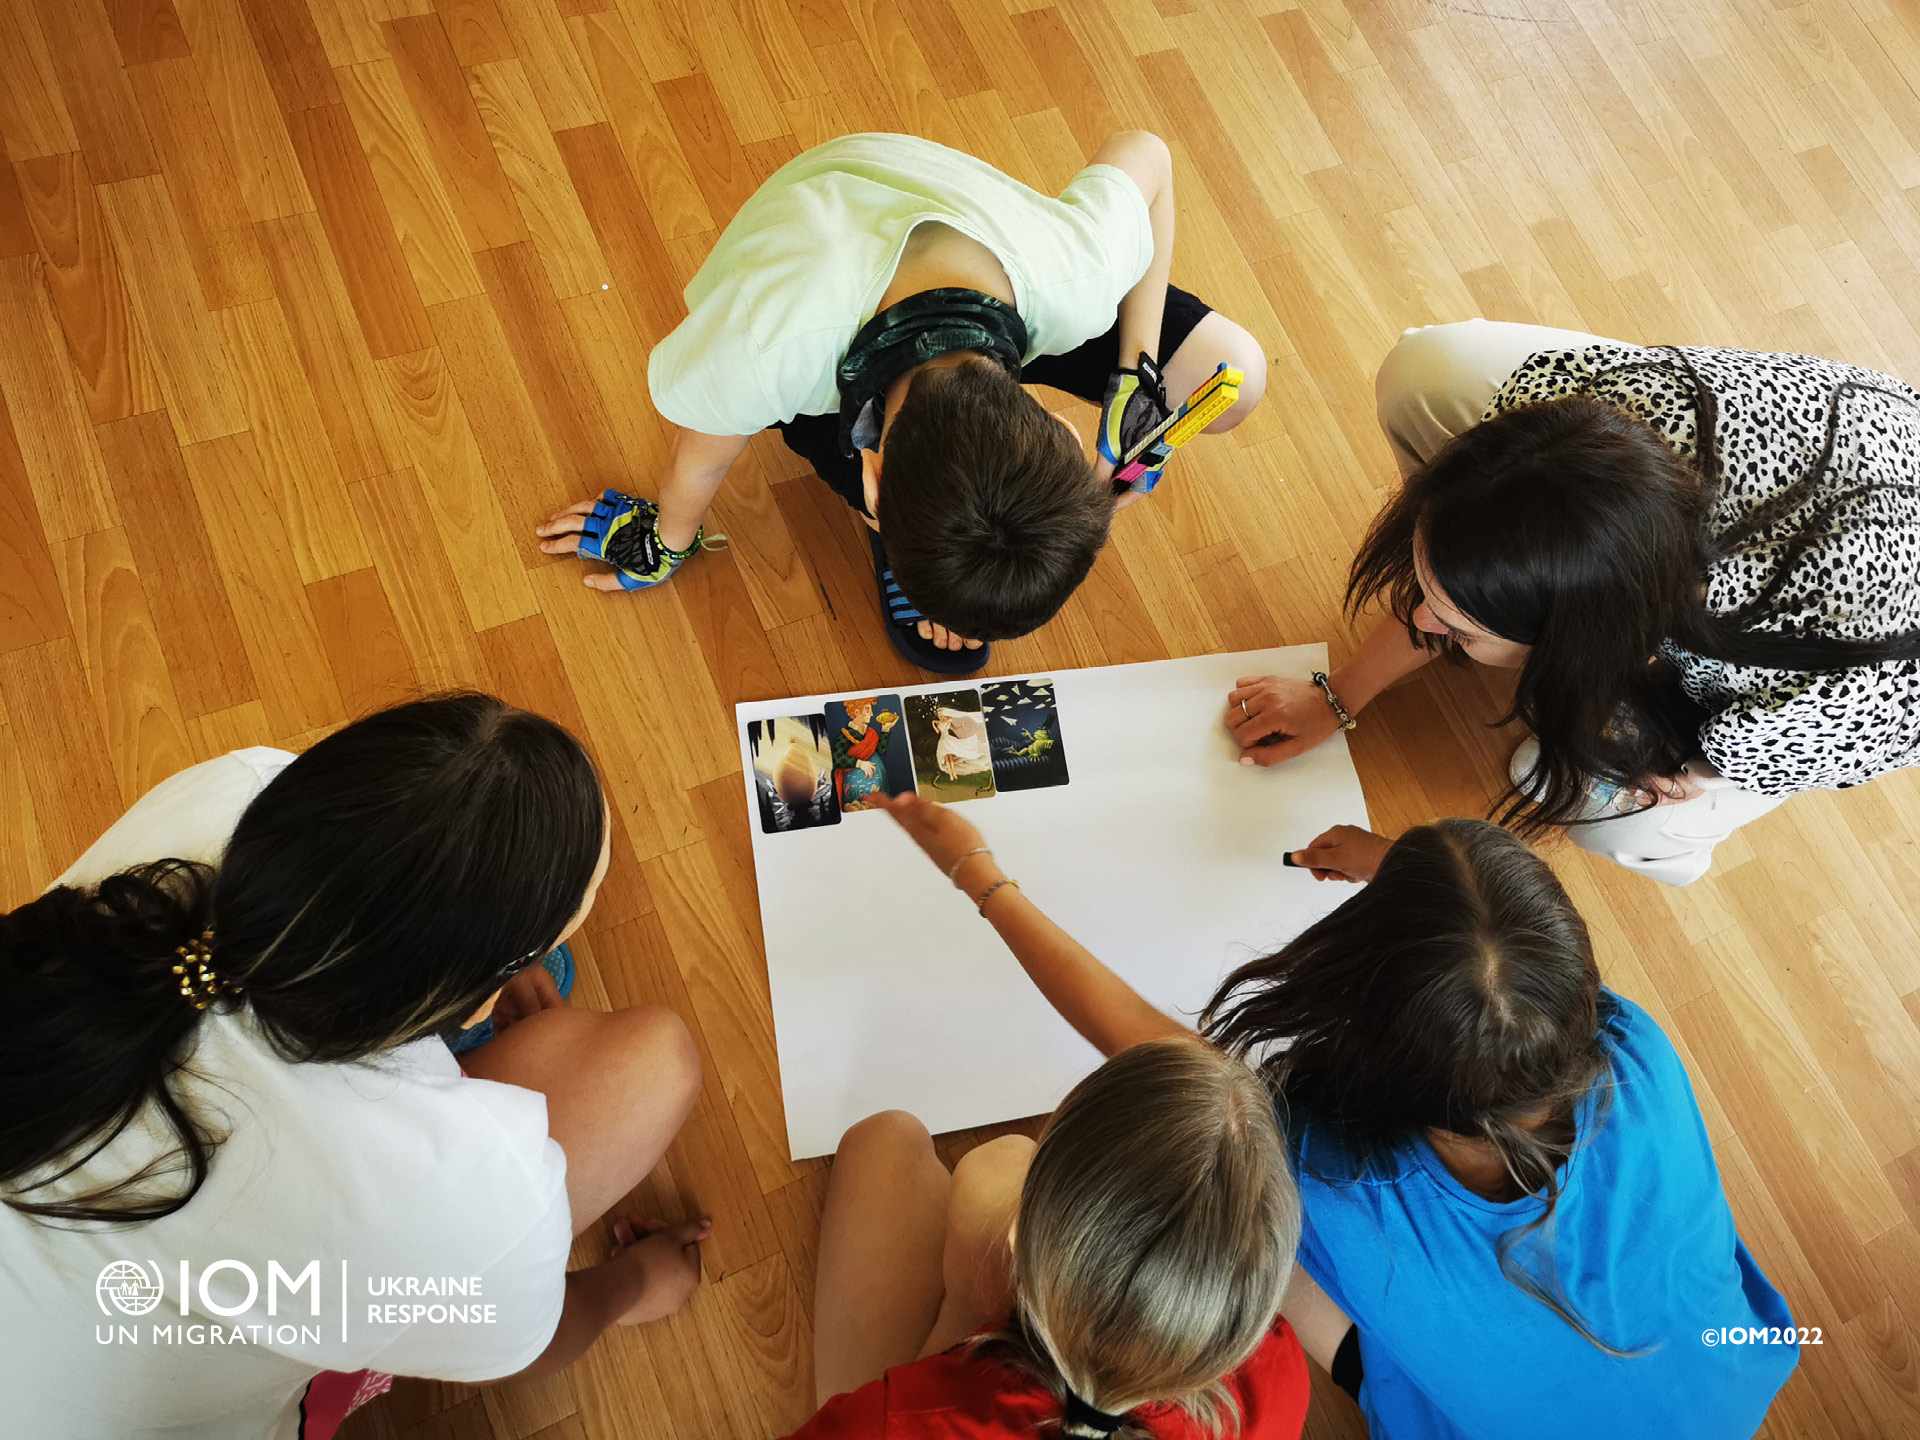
pixel 868 737
pixel 948 735
pixel 1023 734
pixel 793 773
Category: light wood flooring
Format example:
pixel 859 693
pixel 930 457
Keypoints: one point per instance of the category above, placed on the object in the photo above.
pixel 310 309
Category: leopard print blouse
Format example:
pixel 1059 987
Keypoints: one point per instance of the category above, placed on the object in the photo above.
pixel 1776 732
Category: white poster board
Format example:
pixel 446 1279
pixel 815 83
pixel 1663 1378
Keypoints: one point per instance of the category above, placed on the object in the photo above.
pixel 1161 854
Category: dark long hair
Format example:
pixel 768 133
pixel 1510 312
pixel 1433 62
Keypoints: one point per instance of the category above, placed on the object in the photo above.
pixel 373 894
pixel 1574 528
pixel 1458 992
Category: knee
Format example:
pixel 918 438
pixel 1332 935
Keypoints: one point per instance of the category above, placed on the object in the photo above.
pixel 1417 357
pixel 661 1054
pixel 1239 348
pixel 993 1169
pixel 889 1132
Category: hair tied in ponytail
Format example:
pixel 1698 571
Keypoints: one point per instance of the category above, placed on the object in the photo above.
pixel 1080 1416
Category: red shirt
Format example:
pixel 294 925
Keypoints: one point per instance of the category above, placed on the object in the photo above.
pixel 957 1396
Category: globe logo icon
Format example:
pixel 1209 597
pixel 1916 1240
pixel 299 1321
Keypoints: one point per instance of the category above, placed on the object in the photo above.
pixel 128 1287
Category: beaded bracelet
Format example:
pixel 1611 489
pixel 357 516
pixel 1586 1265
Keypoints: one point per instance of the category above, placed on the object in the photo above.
pixel 1347 722
pixel 987 894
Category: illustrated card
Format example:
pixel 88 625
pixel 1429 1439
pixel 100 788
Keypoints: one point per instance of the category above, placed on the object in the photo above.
pixel 1023 734
pixel 868 739
pixel 948 735
pixel 793 773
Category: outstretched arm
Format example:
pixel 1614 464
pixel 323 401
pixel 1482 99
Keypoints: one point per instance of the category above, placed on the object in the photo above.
pixel 1107 1011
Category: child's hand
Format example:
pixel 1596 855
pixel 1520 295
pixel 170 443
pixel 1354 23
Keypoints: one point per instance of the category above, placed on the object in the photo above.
pixel 937 829
pixel 528 993
pixel 663 1265
pixel 1346 852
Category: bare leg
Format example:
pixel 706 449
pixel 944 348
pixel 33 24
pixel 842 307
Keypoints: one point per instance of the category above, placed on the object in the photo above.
pixel 1214 341
pixel 1320 1324
pixel 977 1263
pixel 619 1086
pixel 877 1288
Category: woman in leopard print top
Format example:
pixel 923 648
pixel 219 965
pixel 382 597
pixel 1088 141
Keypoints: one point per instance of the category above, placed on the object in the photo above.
pixel 1704 563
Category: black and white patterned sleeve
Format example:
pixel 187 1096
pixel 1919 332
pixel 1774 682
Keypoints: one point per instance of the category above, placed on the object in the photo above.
pixel 1819 731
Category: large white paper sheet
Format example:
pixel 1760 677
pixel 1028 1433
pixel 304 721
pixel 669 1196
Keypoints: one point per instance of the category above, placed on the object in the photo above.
pixel 1162 855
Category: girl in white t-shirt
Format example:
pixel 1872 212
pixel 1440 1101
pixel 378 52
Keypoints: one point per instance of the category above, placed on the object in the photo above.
pixel 235 1151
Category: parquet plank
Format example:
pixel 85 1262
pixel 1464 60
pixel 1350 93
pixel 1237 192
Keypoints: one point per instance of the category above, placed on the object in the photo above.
pixel 358 231
pixel 459 499
pixel 569 404
pixel 146 30
pixel 126 669
pixel 349 392
pixel 418 580
pixel 56 734
pixel 399 157
pixel 50 419
pixel 193 156
pixel 33 117
pixel 24 871
pixel 30 605
pixel 291 442
pixel 558 226
pixel 246 108
pixel 363 643
pixel 475 30
pixel 475 184
pixel 277 632
pixel 628 238
pixel 190 359
pixel 652 150
pixel 83 279
pixel 194 620
pixel 559 82
pixel 290 49
pixel 85 58
pixel 713 151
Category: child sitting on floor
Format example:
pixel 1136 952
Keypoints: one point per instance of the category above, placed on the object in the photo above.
pixel 884 299
pixel 1122 1278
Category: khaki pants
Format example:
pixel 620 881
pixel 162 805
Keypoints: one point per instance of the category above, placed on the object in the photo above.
pixel 1438 382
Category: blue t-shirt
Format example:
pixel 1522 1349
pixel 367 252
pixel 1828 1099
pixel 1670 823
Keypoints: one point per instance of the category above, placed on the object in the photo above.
pixel 1644 1249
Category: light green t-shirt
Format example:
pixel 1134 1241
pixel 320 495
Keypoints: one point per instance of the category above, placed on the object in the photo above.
pixel 803 266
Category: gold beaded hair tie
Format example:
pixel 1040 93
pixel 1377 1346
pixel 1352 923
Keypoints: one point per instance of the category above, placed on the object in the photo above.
pixel 199 985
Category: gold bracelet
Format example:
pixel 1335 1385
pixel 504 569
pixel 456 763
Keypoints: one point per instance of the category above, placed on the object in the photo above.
pixel 987 894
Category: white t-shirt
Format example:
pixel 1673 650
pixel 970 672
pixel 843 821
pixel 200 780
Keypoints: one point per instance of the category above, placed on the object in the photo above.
pixel 400 1168
pixel 803 266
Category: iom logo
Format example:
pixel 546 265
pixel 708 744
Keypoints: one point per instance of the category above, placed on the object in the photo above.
pixel 128 1288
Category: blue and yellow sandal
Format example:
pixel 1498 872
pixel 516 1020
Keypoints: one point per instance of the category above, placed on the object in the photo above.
pixel 903 624
pixel 624 531
pixel 559 964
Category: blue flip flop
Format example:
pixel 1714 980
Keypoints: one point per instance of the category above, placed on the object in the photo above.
pixel 559 964
pixel 903 621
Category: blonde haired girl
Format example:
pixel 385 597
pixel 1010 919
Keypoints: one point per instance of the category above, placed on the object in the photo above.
pixel 1122 1278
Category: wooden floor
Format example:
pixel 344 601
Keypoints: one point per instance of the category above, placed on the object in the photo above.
pixel 309 311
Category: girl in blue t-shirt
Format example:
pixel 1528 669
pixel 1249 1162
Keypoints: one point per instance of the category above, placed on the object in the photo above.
pixel 1509 1192
pixel 1511 1206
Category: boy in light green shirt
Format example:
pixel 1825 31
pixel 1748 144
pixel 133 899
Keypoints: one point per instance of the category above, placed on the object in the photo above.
pixel 880 301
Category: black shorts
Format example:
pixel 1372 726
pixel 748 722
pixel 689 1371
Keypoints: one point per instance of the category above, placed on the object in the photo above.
pixel 1083 371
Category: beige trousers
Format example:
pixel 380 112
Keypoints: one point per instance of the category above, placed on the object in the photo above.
pixel 1438 382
